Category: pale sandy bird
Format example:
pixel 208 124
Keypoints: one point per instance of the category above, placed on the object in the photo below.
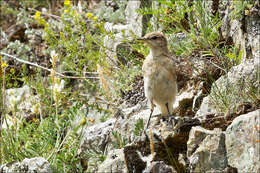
pixel 160 85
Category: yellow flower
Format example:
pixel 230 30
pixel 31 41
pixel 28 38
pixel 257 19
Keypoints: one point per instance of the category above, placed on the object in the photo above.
pixel 41 22
pixel 246 12
pixel 35 120
pixel 62 35
pixel 89 15
pixel 12 70
pixel 66 11
pixel 4 65
pixel 67 2
pixel 37 15
pixel 95 18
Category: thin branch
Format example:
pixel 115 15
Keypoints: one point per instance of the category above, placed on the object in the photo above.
pixel 44 68
pixel 48 15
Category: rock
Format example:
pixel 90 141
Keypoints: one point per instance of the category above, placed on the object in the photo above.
pixel 244 31
pixel 23 100
pixel 206 108
pixel 33 165
pixel 184 102
pixel 97 136
pixel 230 169
pixel 232 89
pixel 214 171
pixel 159 167
pixel 114 162
pixel 111 11
pixel 133 158
pixel 135 23
pixel 206 150
pixel 96 139
pixel 242 142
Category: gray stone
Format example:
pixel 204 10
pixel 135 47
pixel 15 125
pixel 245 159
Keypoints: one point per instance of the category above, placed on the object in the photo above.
pixel 253 37
pixel 23 100
pixel 206 149
pixel 97 136
pixel 244 33
pixel 242 142
pixel 33 165
pixel 159 167
pixel 114 162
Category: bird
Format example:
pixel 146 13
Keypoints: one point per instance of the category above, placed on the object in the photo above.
pixel 160 79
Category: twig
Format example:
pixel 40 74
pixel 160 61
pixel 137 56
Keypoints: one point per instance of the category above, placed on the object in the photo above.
pixel 44 68
pixel 49 15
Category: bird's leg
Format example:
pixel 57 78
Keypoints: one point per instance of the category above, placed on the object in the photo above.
pixel 152 107
pixel 169 114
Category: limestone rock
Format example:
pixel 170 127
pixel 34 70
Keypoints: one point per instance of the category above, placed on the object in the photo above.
pixel 242 142
pixel 206 150
pixel 33 165
pixel 96 137
pixel 114 162
pixel 244 33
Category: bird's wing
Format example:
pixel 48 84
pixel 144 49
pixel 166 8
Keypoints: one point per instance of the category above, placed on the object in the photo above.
pixel 170 65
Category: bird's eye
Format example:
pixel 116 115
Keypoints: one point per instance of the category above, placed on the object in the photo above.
pixel 154 37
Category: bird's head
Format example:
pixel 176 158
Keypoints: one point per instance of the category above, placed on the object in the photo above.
pixel 154 40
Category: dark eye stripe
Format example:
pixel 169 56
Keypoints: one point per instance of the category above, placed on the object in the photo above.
pixel 154 37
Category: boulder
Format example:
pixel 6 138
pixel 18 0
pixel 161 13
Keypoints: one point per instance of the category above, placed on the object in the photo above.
pixel 206 150
pixel 242 142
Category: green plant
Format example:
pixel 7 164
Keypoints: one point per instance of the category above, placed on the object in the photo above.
pixel 234 55
pixel 139 127
pixel 231 95
pixel 240 9
pixel 121 140
pixel 76 40
pixel 51 132
pixel 200 28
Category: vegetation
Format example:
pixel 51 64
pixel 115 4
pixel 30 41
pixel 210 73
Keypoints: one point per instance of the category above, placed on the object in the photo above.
pixel 69 43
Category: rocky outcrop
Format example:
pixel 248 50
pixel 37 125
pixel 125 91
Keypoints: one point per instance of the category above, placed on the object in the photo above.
pixel 242 142
pixel 33 165
pixel 232 89
pixel 242 27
